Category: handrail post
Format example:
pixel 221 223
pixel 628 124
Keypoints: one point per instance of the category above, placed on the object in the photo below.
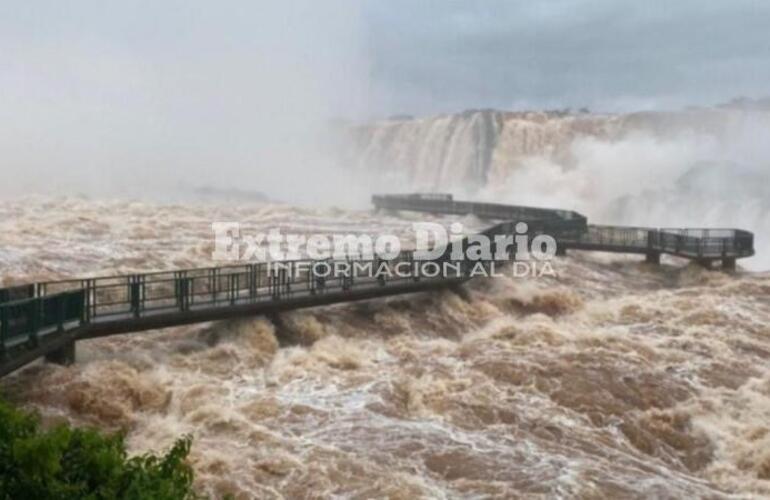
pixel 60 309
pixel 142 291
pixel 344 280
pixel 134 294
pixel 310 279
pixel 182 290
pixel 351 275
pixel 651 239
pixel 214 284
pixel 258 279
pixel 3 329
pixel 85 308
pixel 187 291
pixel 319 281
pixel 177 295
pixel 32 321
pixel 252 282
pixel 83 305
pixel 277 275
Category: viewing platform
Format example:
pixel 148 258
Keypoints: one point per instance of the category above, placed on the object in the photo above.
pixel 572 230
pixel 45 319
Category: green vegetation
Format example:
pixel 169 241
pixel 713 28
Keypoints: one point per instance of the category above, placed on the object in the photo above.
pixel 66 463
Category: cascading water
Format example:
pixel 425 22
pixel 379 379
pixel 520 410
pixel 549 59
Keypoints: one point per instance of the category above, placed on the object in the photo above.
pixel 700 167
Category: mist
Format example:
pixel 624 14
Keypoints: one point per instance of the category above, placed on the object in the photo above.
pixel 683 180
pixel 148 99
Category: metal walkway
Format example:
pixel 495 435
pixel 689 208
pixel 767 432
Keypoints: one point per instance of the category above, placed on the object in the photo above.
pixel 47 318
pixel 703 245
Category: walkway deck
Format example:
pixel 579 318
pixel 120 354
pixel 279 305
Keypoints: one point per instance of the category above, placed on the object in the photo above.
pixel 572 230
pixel 47 318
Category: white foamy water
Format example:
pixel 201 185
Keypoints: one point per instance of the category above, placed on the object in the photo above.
pixel 699 168
pixel 615 378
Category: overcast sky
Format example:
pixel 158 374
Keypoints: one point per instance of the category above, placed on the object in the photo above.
pixel 195 90
pixel 612 54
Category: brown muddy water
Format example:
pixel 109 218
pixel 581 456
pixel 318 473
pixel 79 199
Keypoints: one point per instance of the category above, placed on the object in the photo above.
pixel 613 379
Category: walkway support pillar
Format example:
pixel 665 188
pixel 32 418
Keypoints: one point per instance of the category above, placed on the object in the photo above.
pixel 652 257
pixel 728 263
pixel 64 355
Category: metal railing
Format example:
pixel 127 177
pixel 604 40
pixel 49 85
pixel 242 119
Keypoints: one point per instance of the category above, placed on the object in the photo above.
pixel 227 285
pixel 517 213
pixel 705 243
pixel 31 312
pixel 17 292
pixel 572 229
pixel 691 243
pixel 23 321
pixel 70 303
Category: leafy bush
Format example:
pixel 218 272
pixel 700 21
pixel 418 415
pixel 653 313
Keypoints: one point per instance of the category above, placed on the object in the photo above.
pixel 65 463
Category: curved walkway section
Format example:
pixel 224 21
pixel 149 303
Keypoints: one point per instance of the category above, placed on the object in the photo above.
pixel 47 318
pixel 572 230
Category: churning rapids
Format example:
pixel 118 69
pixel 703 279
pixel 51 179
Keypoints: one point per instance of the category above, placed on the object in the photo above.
pixel 615 378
